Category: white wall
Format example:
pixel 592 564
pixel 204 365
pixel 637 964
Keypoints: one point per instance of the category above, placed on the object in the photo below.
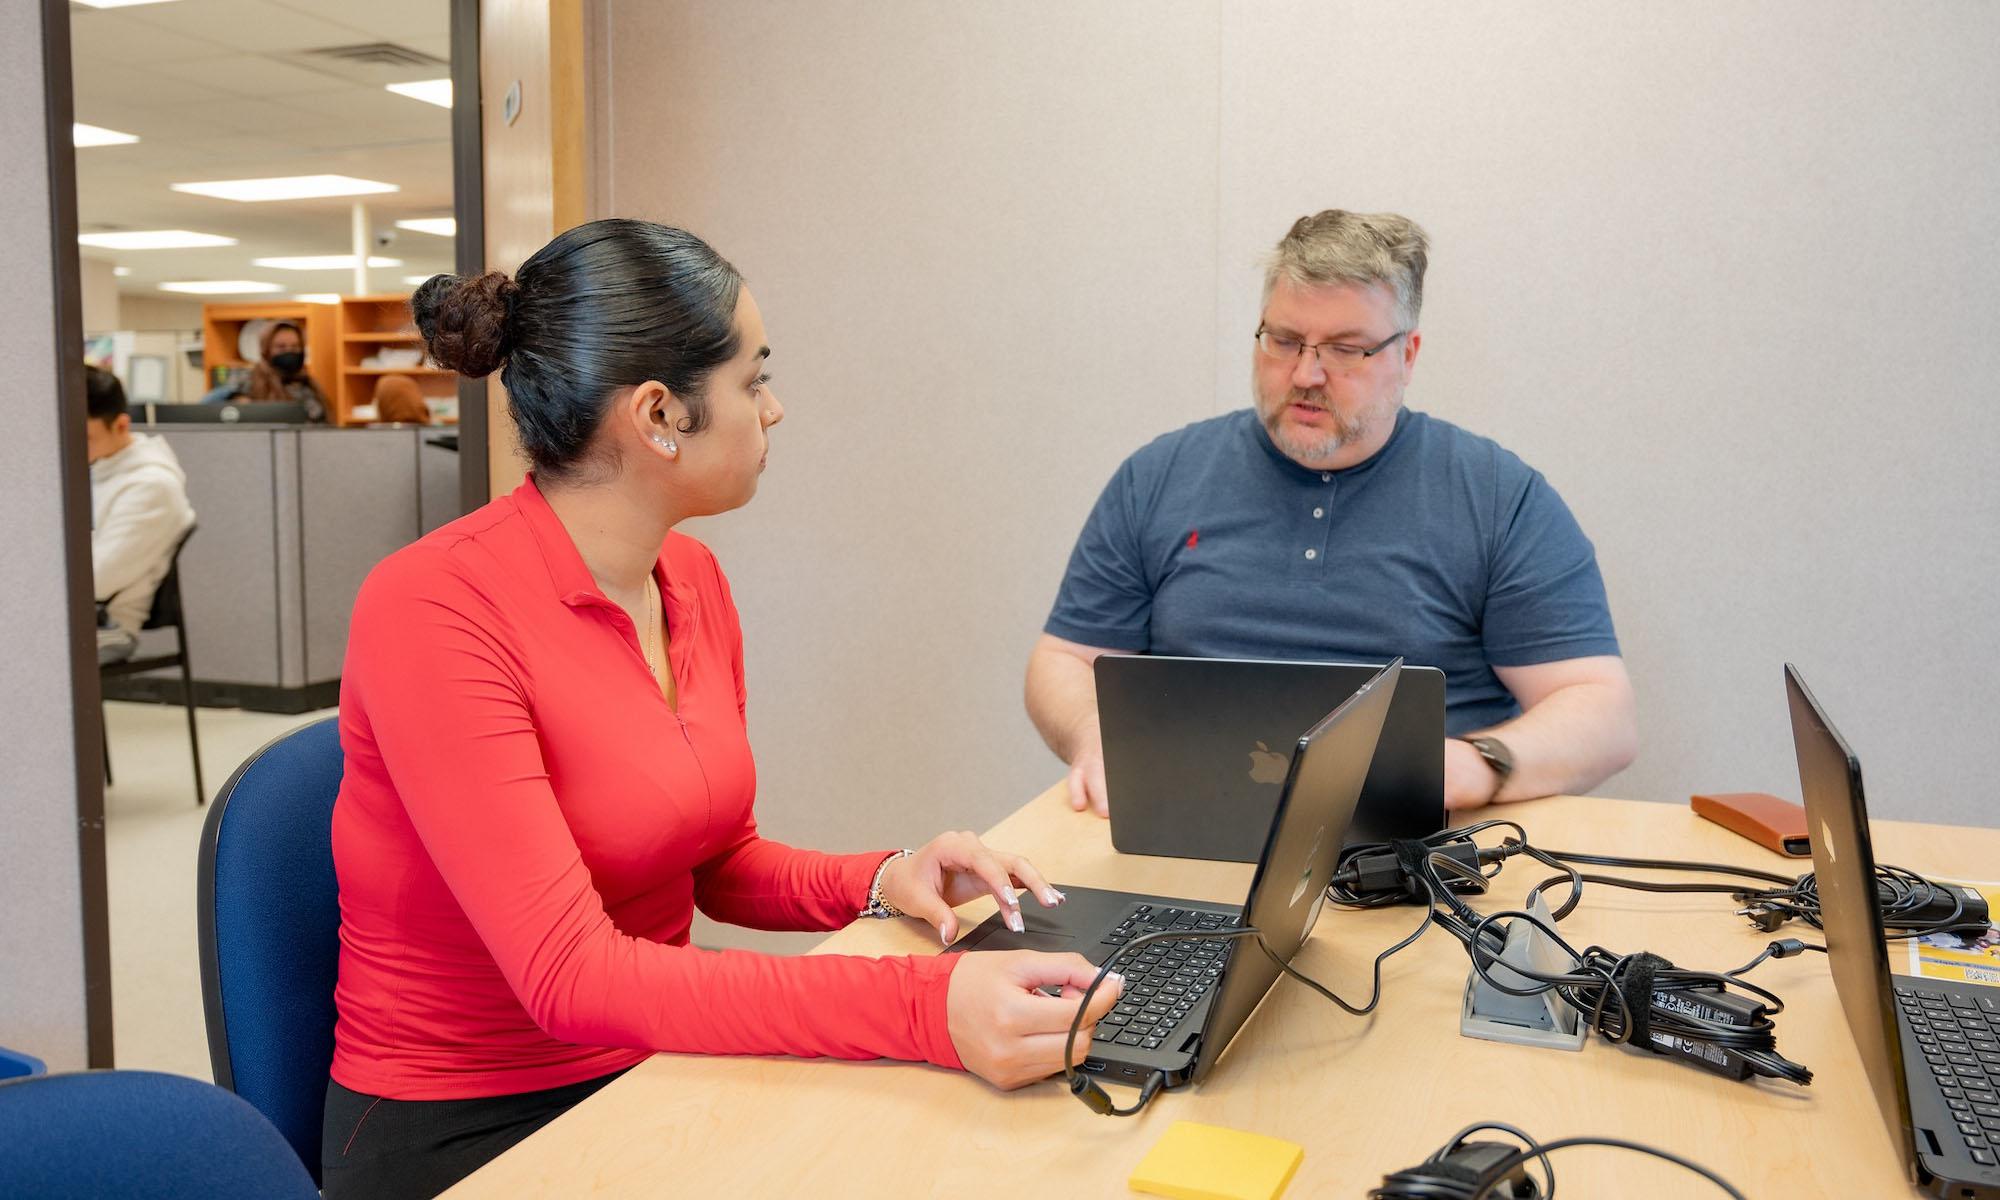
pixel 41 927
pixel 1725 273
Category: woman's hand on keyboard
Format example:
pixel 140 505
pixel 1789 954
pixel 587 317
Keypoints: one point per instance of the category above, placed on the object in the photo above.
pixel 1010 1032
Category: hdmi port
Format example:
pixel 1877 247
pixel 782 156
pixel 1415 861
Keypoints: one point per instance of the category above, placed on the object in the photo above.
pixel 1091 1066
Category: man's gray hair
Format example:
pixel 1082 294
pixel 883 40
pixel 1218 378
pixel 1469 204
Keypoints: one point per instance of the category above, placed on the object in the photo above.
pixel 1340 247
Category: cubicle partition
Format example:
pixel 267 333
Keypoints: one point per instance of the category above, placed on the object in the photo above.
pixel 291 520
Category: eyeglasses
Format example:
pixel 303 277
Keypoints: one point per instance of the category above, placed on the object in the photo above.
pixel 1333 356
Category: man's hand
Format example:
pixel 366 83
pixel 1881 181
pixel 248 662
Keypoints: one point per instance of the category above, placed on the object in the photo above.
pixel 1469 782
pixel 1086 776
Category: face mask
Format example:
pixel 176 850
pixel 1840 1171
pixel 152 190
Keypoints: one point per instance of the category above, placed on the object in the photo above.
pixel 289 363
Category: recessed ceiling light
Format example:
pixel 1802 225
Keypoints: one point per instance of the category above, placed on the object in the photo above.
pixel 430 91
pixel 152 239
pixel 220 287
pixel 322 262
pixel 121 272
pixel 318 297
pixel 118 3
pixel 96 135
pixel 290 187
pixel 441 226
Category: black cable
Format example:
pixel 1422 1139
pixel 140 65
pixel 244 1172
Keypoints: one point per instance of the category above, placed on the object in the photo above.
pixel 1462 1170
pixel 1718 1021
pixel 1912 906
pixel 1091 1093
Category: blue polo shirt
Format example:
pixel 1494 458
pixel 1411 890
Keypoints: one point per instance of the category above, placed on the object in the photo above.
pixel 1443 548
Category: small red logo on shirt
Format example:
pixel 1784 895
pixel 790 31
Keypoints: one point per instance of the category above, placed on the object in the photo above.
pixel 1194 535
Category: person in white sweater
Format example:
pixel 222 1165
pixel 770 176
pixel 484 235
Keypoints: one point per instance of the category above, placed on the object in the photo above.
pixel 139 512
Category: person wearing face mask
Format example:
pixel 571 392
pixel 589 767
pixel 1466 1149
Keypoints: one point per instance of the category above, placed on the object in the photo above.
pixel 280 374
pixel 548 765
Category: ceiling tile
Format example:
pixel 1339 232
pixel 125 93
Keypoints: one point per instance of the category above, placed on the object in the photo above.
pixel 253 75
pixel 114 35
pixel 385 20
pixel 254 25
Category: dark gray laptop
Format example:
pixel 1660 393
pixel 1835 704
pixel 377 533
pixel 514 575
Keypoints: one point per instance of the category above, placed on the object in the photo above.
pixel 1195 748
pixel 1931 1047
pixel 1185 999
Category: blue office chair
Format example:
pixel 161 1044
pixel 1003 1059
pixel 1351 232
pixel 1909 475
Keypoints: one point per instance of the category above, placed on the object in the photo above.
pixel 269 911
pixel 140 1133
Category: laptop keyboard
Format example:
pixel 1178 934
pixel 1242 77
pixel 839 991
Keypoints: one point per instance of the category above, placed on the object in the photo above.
pixel 1164 980
pixel 1960 1038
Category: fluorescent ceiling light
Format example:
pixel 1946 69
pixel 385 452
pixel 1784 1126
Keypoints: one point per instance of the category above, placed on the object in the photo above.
pixel 441 226
pixel 290 187
pixel 220 287
pixel 322 262
pixel 430 91
pixel 121 272
pixel 152 239
pixel 419 280
pixel 96 135
pixel 318 297
pixel 117 3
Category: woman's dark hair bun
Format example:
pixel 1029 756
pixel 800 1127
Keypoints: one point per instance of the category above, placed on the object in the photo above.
pixel 467 323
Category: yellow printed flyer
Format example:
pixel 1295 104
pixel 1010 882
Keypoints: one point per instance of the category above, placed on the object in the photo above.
pixel 1966 955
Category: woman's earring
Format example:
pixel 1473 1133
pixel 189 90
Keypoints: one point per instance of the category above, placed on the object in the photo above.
pixel 666 444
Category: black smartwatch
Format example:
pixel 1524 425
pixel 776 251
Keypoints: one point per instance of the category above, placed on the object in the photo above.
pixel 1497 756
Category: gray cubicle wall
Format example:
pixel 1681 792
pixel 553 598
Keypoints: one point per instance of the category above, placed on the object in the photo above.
pixel 290 521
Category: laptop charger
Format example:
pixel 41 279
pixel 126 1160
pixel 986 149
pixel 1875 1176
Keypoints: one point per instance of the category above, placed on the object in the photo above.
pixel 1375 873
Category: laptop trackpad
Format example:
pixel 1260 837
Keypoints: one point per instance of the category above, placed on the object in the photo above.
pixel 1033 939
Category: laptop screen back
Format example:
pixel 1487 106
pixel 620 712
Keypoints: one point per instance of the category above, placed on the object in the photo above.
pixel 1300 855
pixel 1844 866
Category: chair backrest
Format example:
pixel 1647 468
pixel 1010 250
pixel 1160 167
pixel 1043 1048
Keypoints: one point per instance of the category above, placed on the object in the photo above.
pixel 166 612
pixel 140 1133
pixel 269 912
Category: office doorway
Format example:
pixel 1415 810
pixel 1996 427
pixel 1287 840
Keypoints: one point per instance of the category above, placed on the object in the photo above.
pixel 259 184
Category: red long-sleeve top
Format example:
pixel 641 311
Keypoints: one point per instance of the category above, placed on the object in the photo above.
pixel 525 828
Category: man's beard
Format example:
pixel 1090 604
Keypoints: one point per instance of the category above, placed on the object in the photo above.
pixel 1306 448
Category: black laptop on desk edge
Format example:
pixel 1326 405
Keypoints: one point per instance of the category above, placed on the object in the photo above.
pixel 1948 1145
pixel 1191 996
pixel 1195 750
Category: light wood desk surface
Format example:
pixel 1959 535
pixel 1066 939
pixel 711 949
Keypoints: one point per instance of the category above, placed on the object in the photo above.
pixel 1364 1096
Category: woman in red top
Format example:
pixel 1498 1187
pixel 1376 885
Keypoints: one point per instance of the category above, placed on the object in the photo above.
pixel 547 770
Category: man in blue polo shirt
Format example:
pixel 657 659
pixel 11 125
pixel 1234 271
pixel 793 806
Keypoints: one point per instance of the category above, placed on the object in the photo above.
pixel 1331 523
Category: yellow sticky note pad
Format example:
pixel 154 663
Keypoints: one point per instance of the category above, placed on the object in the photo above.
pixel 1207 1162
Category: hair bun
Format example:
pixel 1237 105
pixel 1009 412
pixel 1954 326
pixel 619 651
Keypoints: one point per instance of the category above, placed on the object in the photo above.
pixel 468 324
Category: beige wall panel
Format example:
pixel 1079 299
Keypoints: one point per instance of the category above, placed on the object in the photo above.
pixel 983 240
pixel 1724 273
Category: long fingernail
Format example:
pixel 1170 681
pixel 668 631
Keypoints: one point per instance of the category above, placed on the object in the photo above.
pixel 1116 978
pixel 1011 896
pixel 1015 923
pixel 1051 897
pixel 1061 897
pixel 944 937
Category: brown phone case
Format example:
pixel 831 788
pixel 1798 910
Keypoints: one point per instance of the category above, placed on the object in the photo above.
pixel 1777 825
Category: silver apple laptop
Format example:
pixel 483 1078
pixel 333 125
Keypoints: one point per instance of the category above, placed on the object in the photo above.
pixel 1186 998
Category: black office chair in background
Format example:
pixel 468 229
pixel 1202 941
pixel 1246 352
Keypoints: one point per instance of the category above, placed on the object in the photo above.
pixel 166 614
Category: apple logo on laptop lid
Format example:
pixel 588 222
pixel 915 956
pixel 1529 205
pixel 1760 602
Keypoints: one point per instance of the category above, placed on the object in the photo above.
pixel 1267 765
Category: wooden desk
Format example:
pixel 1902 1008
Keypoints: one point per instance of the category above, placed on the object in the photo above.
pixel 1364 1096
